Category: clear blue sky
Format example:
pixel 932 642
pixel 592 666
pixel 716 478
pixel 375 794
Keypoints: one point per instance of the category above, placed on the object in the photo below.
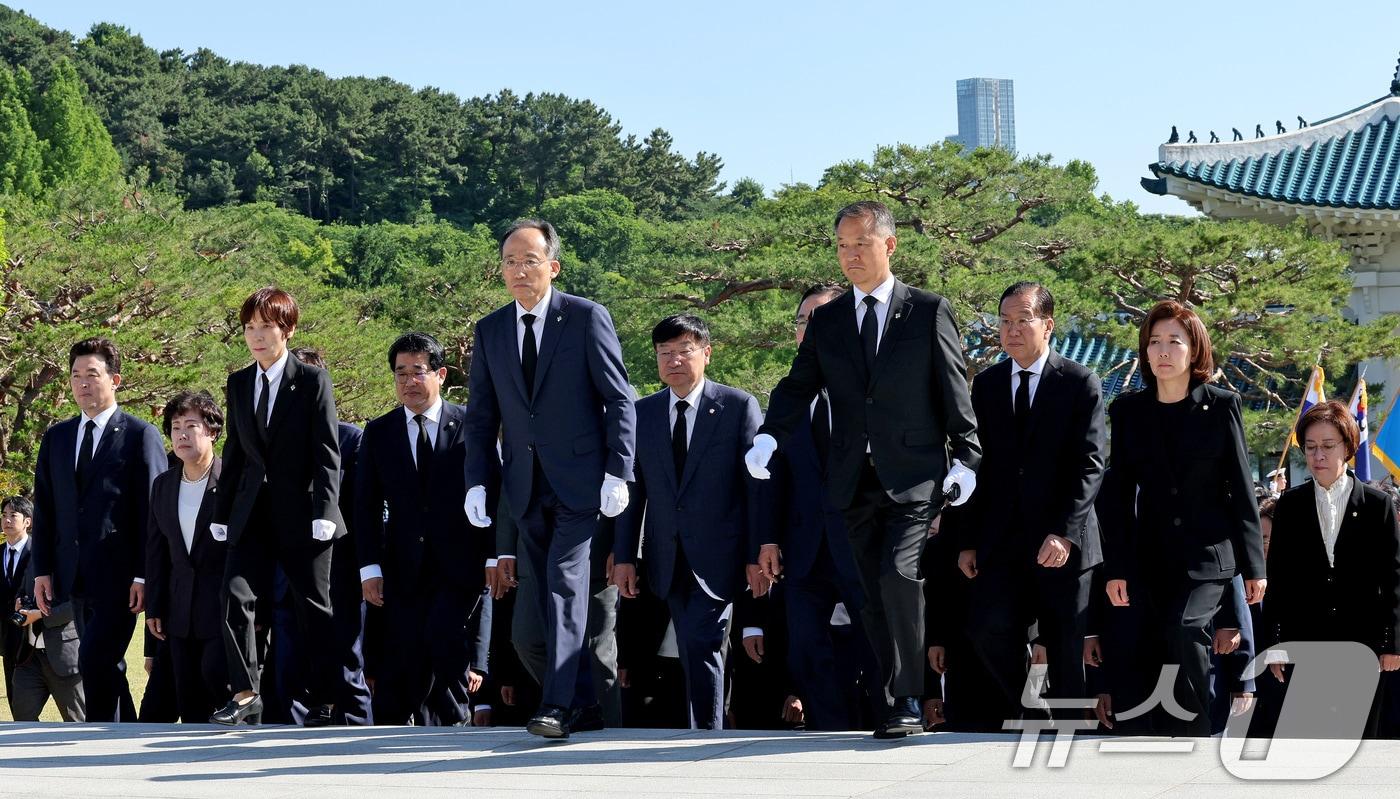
pixel 783 90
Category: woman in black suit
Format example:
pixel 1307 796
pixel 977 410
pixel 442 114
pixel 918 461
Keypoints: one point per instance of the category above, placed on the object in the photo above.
pixel 1184 520
pixel 282 472
pixel 1334 557
pixel 184 564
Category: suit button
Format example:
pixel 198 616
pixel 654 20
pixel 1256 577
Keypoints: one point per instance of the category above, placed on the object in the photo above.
pixel 420 539
pixel 1173 490
pixel 532 415
pixel 869 400
pixel 530 447
pixel 1021 472
pixel 1177 521
pixel 680 508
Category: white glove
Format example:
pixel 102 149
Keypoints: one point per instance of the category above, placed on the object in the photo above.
pixel 219 531
pixel 964 478
pixel 759 454
pixel 613 497
pixel 475 507
pixel 322 529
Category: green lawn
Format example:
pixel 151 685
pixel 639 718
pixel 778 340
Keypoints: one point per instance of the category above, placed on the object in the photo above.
pixel 135 674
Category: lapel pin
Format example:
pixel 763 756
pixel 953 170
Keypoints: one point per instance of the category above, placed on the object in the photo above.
pixel 559 318
pixel 712 410
pixel 293 387
pixel 1205 407
pixel 1353 513
pixel 897 313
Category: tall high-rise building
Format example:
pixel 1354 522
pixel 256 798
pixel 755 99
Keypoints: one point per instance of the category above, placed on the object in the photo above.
pixel 986 113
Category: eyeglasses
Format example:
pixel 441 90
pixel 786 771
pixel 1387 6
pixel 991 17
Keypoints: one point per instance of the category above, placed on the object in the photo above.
pixel 1327 447
pixel 416 376
pixel 1007 324
pixel 684 355
pixel 528 263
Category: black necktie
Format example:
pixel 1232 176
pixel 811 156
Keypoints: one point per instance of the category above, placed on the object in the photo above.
pixel 678 445
pixel 529 354
pixel 869 332
pixel 264 399
pixel 424 450
pixel 1023 402
pixel 12 558
pixel 85 454
pixel 821 427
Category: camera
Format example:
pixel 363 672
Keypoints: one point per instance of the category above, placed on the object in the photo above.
pixel 18 618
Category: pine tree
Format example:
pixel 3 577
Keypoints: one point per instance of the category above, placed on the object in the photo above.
pixel 78 146
pixel 21 159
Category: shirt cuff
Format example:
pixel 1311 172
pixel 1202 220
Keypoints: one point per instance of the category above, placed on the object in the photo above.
pixel 750 632
pixel 139 580
pixel 1091 635
pixel 323 529
pixel 491 562
pixel 371 572
pixel 480 708
pixel 1275 656
pixel 505 557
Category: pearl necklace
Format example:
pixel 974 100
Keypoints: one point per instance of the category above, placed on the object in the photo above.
pixel 198 479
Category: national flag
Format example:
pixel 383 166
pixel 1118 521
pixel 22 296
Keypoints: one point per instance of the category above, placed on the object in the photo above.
pixel 1362 462
pixel 1315 394
pixel 1386 446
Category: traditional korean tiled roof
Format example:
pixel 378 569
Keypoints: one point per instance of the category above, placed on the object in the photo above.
pixel 1348 163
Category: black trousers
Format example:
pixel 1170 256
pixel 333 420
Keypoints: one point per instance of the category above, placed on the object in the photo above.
pixel 427 648
pixel 201 676
pixel 104 633
pixel 702 639
pixel 306 563
pixel 888 540
pixel 1011 592
pixel 829 692
pixel 1180 618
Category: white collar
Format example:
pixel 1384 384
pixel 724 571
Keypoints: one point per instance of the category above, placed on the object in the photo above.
pixel 101 419
pixel 18 548
pixel 432 414
pixel 692 399
pixel 1337 491
pixel 274 372
pixel 882 292
pixel 1035 368
pixel 541 308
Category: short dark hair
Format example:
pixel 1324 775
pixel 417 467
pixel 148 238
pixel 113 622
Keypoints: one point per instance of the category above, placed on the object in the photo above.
pixel 677 325
pixel 875 213
pixel 1042 301
pixel 201 402
pixel 551 236
pixel 1266 506
pixel 273 305
pixel 1336 414
pixel 101 347
pixel 1202 361
pixel 415 343
pixel 309 356
pixel 817 290
pixel 21 505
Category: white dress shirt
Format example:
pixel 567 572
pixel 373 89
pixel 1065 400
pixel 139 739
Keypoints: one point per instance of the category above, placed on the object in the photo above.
pixel 1035 369
pixel 1331 510
pixel 101 419
pixel 540 310
pixel 191 496
pixel 274 379
pixel 12 556
pixel 882 307
pixel 430 419
pixel 691 412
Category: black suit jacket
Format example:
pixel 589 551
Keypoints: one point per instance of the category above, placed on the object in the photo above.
pixel 1195 519
pixel 11 636
pixel 184 589
pixel 298 471
pixel 1052 477
pixel 1355 599
pixel 424 528
pixel 59 630
pixel 97 535
pixel 913 410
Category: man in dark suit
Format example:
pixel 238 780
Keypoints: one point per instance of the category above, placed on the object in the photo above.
pixel 17 515
pixel 547 375
pixel 812 552
pixel 697 503
pixel 47 661
pixel 1030 536
pixel 896 381
pixel 92 489
pixel 282 470
pixel 414 540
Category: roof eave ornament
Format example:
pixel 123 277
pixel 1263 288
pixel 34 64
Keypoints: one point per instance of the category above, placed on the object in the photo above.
pixel 1395 82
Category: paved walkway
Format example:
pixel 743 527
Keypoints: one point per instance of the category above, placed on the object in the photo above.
pixel 62 760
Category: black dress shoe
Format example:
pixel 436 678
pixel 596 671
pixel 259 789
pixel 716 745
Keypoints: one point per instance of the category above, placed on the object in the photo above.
pixel 587 719
pixel 550 722
pixel 319 716
pixel 903 720
pixel 234 713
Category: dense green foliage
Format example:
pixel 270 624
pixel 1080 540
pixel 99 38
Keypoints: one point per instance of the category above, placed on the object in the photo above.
pixel 376 205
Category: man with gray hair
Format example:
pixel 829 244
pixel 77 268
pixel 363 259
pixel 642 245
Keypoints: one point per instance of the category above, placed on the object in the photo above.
pixel 547 374
pixel 890 359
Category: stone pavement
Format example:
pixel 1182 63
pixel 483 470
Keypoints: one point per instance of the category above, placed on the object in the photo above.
pixel 63 760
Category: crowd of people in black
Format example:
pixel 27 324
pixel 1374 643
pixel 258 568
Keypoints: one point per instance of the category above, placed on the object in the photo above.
pixel 887 548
